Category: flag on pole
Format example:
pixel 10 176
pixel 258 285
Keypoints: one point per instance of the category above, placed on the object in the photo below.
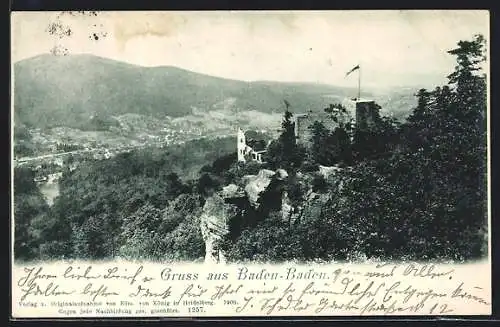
pixel 355 68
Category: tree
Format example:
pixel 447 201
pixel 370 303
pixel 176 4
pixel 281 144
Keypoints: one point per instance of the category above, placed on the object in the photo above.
pixel 421 111
pixel 468 84
pixel 468 110
pixel 337 112
pixel 446 140
pixel 329 147
pixel 285 152
pixel 223 163
pixel 207 184
pixel 23 141
pixel 342 147
pixel 140 233
pixel 29 206
pixel 319 150
pixel 287 138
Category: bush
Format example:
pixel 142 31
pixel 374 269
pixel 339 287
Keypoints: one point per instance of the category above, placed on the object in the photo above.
pixel 309 166
pixel 319 183
pixel 271 241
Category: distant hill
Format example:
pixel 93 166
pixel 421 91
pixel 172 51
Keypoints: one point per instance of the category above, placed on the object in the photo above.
pixel 397 102
pixel 73 90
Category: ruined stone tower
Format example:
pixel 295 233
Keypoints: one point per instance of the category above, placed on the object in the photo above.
pixel 363 112
pixel 367 114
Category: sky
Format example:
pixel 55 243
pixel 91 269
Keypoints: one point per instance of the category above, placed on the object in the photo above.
pixel 393 48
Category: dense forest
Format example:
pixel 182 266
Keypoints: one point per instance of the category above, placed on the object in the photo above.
pixel 407 190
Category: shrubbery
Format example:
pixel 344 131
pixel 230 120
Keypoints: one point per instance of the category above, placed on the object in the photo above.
pixel 414 191
pixel 133 205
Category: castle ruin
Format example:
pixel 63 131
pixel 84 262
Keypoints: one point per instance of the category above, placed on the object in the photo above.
pixel 363 113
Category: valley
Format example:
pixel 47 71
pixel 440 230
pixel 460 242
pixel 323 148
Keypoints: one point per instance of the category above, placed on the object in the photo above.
pixel 81 107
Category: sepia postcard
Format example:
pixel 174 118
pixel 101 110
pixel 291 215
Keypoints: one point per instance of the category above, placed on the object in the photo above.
pixel 250 164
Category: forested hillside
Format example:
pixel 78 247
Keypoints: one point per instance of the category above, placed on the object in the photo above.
pixel 69 90
pixel 414 190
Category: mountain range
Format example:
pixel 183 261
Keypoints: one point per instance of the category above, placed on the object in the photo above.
pixel 72 90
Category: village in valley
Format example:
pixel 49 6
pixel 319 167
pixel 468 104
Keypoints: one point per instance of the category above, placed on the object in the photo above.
pixel 63 148
pixel 85 146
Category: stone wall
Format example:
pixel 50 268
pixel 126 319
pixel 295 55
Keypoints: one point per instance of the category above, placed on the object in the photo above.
pixel 364 112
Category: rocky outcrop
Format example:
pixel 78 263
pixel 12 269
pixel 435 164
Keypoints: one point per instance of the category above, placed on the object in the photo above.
pixel 237 207
pixel 255 185
pixel 215 218
pixel 221 208
pixel 232 191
